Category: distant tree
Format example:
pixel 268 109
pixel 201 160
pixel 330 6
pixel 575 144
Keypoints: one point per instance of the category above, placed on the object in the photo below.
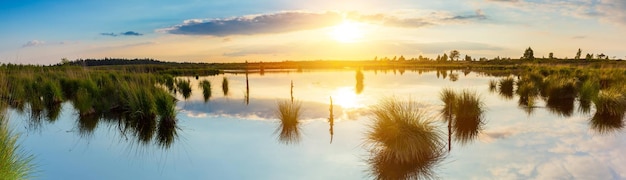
pixel 376 58
pixel 528 54
pixel 394 58
pixel 444 57
pixel 421 58
pixel 578 54
pixel 65 61
pixel 551 55
pixel 468 58
pixel 589 57
pixel 601 56
pixel 438 58
pixel 401 58
pixel 454 55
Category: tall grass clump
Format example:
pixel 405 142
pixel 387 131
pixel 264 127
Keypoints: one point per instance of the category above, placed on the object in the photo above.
pixel 166 130
pixel 288 113
pixel 610 108
pixel 404 142
pixel 528 93
pixel 463 111
pixel 15 163
pixel 468 116
pixel 493 84
pixel 588 91
pixel 359 82
pixel 206 89
pixel 561 92
pixel 506 87
pixel 225 86
pixel 184 87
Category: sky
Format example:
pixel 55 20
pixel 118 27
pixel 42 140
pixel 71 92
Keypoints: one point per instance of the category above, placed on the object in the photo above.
pixel 44 32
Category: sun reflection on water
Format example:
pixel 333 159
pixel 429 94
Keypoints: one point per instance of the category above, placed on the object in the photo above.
pixel 347 98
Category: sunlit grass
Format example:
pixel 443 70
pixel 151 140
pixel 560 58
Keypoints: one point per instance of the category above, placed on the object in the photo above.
pixel 404 142
pixel 288 113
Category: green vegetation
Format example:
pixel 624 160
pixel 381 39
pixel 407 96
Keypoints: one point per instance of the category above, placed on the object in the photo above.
pixel 225 86
pixel 463 112
pixel 206 89
pixel 15 163
pixel 184 87
pixel 404 143
pixel 136 102
pixel 610 108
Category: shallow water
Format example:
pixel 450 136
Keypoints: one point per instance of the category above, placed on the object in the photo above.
pixel 229 138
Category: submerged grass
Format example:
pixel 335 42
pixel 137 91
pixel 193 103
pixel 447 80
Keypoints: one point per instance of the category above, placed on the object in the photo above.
pixel 404 142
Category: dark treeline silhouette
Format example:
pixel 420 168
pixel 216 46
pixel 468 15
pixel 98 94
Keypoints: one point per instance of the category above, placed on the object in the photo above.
pixel 112 61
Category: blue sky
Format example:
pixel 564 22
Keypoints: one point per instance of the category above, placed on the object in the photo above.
pixel 43 32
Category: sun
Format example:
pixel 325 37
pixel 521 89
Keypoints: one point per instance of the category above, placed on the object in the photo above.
pixel 347 32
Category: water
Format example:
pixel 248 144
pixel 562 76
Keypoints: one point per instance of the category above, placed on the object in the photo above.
pixel 228 137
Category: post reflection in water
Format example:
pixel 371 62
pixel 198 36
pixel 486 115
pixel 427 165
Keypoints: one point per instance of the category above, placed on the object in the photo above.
pixel 331 120
pixel 403 142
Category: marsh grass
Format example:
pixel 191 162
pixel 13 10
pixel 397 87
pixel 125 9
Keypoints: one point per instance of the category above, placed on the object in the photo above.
pixel 610 108
pixel 463 111
pixel 184 87
pixel 506 87
pixel 15 163
pixel 359 82
pixel 206 89
pixel 404 143
pixel 288 113
pixel 225 86
pixel 588 91
pixel 561 92
pixel 493 85
pixel 468 116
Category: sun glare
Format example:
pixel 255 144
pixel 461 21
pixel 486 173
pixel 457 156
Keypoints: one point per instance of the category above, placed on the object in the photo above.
pixel 346 98
pixel 347 32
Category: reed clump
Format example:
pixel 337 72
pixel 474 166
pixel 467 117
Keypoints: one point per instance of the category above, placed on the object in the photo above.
pixel 404 143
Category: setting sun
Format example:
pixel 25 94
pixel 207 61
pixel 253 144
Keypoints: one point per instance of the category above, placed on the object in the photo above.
pixel 347 32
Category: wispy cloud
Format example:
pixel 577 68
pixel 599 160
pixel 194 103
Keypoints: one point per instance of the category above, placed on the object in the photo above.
pixel 127 33
pixel 33 43
pixel 257 24
pixel 289 21
pixel 417 21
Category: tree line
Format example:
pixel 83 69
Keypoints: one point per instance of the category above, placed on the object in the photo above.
pixel 528 54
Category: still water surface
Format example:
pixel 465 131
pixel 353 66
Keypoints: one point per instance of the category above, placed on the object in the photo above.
pixel 228 137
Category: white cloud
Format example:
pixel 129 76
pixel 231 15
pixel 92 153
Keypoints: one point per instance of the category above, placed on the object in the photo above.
pixel 33 43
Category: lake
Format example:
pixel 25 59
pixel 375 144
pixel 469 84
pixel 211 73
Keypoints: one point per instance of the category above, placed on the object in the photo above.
pixel 237 134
